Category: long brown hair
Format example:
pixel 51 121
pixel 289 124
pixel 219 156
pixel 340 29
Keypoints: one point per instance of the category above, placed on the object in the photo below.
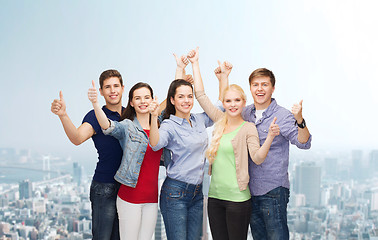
pixel 170 108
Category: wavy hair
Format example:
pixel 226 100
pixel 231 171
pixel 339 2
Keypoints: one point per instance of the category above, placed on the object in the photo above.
pixel 221 124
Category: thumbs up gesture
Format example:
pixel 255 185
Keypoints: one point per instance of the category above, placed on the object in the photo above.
pixel 193 55
pixel 274 129
pixel 296 110
pixel 153 107
pixel 92 93
pixel 58 106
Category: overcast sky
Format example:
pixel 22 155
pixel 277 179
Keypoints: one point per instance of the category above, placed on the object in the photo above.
pixel 324 52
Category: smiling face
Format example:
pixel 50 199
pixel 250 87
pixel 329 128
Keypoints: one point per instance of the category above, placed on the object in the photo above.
pixel 233 103
pixel 183 101
pixel 112 91
pixel 261 90
pixel 141 99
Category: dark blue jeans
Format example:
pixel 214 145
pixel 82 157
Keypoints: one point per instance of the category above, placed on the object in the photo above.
pixel 269 216
pixel 103 198
pixel 181 205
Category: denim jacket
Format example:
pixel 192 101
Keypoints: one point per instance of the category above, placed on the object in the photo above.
pixel 134 141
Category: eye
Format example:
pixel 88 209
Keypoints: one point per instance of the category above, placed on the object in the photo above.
pixel 227 100
pixel 190 96
pixel 265 84
pixel 238 100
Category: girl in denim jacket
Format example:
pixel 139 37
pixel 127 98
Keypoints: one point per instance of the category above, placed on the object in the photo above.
pixel 138 173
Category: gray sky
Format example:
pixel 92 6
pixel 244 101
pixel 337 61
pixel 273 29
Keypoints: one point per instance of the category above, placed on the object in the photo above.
pixel 324 52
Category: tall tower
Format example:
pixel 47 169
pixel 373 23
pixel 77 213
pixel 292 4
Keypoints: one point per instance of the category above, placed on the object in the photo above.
pixel 307 182
pixel 25 189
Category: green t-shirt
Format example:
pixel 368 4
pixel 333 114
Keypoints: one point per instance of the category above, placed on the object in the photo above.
pixel 224 183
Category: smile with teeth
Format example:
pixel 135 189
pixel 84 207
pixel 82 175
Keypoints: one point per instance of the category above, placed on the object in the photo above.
pixel 113 96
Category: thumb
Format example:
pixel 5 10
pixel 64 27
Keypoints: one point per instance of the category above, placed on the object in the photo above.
pixel 174 54
pixel 156 99
pixel 93 84
pixel 197 48
pixel 219 63
pixel 300 102
pixel 274 120
pixel 61 95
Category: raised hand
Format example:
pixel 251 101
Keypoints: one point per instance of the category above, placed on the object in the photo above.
pixel 223 70
pixel 58 106
pixel 153 107
pixel 296 110
pixel 189 78
pixel 274 129
pixel 181 61
pixel 193 55
pixel 92 93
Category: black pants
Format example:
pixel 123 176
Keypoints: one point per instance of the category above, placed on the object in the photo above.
pixel 229 220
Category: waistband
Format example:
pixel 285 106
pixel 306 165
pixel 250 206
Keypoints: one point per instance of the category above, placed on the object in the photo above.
pixel 184 185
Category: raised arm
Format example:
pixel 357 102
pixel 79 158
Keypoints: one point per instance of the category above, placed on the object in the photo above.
pixel 181 62
pixel 303 133
pixel 154 130
pixel 260 155
pixel 213 112
pixel 222 72
pixel 100 114
pixel 76 135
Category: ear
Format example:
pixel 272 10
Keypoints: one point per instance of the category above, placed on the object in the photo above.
pixel 131 103
pixel 274 88
pixel 102 94
pixel 172 101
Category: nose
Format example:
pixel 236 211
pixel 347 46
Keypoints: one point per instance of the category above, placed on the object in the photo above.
pixel 112 89
pixel 259 87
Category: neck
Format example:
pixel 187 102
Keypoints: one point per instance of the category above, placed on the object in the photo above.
pixel 115 108
pixel 144 120
pixel 235 121
pixel 182 115
pixel 263 106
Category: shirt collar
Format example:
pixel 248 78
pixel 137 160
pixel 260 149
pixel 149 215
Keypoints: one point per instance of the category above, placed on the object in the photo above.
pixel 269 111
pixel 179 120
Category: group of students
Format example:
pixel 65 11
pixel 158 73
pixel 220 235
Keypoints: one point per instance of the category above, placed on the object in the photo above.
pixel 248 156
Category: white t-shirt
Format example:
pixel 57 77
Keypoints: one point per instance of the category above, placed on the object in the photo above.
pixel 258 114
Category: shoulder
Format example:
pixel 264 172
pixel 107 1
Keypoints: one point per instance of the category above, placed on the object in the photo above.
pixel 249 127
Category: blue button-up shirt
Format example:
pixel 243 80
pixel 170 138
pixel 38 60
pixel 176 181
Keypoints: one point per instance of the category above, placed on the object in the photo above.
pixel 187 144
pixel 273 172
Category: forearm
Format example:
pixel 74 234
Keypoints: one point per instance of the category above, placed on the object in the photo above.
pixel 101 116
pixel 198 84
pixel 261 154
pixel 71 131
pixel 303 135
pixel 180 73
pixel 154 131
pixel 223 84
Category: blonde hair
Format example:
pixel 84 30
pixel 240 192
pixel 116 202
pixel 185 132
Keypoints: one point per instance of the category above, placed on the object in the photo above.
pixel 221 124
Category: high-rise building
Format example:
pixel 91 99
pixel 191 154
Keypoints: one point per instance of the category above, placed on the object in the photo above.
pixel 373 160
pixel 25 189
pixel 307 182
pixel 78 173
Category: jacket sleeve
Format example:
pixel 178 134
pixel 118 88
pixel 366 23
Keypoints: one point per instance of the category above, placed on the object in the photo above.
pixel 212 111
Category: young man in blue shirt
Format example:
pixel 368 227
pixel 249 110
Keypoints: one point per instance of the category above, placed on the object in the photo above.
pixel 269 182
pixel 104 188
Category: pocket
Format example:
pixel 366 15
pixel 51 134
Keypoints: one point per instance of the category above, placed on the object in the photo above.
pixel 173 192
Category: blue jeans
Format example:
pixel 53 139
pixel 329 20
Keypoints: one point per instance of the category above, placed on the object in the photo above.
pixel 269 216
pixel 103 198
pixel 181 205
